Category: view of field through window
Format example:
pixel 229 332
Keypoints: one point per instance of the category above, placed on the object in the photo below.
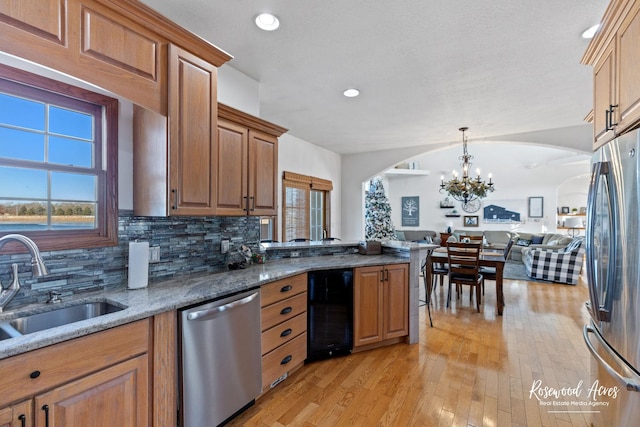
pixel 48 175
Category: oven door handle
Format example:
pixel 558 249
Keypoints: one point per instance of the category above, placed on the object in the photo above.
pixel 203 314
pixel 630 384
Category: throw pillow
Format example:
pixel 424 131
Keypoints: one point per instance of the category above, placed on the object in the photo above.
pixel 523 242
pixel 553 243
pixel 536 240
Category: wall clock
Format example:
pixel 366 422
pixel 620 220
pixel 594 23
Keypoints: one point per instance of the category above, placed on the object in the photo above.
pixel 471 206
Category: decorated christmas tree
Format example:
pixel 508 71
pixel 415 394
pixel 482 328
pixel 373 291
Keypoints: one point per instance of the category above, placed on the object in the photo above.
pixel 378 225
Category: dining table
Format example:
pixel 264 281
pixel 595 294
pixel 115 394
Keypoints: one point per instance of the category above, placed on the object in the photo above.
pixel 487 259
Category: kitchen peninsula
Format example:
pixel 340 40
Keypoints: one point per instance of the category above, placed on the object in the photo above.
pixel 153 310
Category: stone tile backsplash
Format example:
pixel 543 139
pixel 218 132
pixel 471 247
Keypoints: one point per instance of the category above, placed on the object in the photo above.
pixel 187 245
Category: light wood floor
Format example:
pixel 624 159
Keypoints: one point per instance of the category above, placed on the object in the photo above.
pixel 470 369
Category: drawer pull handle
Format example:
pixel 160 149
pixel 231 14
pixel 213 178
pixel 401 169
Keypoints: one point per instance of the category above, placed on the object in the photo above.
pixel 286 360
pixel 286 332
pixel 23 420
pixel 286 288
pixel 45 408
pixel 286 310
pixel 35 374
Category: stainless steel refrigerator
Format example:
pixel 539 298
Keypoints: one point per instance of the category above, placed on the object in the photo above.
pixel 613 271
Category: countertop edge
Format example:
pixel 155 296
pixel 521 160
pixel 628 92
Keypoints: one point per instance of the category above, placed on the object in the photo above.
pixel 174 294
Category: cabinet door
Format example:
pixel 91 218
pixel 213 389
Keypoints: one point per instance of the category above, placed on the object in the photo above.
pixel 628 38
pixel 231 171
pixel 396 301
pixel 192 133
pixel 18 415
pixel 116 396
pixel 263 173
pixel 604 88
pixel 367 310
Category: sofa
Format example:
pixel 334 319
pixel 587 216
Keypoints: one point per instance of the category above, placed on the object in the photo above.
pixel 498 239
pixel 556 265
pixel 537 241
pixel 419 236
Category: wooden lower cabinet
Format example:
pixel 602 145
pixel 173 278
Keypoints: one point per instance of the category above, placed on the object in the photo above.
pixel 18 415
pixel 284 328
pixel 381 304
pixel 100 380
pixel 116 396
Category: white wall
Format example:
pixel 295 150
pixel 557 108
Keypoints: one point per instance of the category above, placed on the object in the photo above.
pixel 239 91
pixel 299 156
pixel 358 168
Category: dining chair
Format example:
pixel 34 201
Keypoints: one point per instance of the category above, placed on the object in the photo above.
pixel 464 269
pixel 489 273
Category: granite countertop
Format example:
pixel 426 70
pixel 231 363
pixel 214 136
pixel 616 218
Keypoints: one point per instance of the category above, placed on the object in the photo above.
pixel 171 295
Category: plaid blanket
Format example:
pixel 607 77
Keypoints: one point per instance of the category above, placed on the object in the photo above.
pixel 556 265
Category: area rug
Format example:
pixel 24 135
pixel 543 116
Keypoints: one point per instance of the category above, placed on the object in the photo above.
pixel 516 270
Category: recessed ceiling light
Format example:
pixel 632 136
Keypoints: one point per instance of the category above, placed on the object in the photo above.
pixel 267 22
pixel 590 32
pixel 351 93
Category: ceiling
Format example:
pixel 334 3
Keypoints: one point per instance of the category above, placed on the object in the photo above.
pixel 424 67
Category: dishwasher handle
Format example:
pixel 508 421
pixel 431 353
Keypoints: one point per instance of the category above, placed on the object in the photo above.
pixel 204 314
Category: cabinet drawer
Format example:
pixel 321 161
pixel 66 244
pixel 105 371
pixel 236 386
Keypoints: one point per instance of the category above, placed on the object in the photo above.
pixel 283 359
pixel 283 332
pixel 61 363
pixel 283 310
pixel 285 288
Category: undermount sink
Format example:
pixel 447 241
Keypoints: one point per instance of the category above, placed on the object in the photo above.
pixel 59 317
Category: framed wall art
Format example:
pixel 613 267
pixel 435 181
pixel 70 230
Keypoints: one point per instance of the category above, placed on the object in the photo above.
pixel 471 221
pixel 536 207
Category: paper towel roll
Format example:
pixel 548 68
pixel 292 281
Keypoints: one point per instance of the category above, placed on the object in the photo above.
pixel 138 265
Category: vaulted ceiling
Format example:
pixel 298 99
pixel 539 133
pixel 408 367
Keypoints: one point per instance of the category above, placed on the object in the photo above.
pixel 423 67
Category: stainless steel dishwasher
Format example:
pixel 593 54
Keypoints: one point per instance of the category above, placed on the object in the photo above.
pixel 221 372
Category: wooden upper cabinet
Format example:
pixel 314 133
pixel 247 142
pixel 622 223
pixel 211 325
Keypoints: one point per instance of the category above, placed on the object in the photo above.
pixel 263 176
pixel 246 173
pixel 614 55
pixel 87 40
pixel 192 133
pixel 119 45
pixel 46 21
pixel 628 78
pixel 175 157
pixel 231 171
pixel 604 96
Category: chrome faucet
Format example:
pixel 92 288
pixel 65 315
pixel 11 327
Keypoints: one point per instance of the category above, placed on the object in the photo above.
pixel 37 267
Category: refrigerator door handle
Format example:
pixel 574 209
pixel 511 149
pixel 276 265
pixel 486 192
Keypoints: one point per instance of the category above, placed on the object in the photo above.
pixel 599 312
pixel 631 384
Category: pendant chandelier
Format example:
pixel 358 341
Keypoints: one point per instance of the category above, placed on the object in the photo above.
pixel 466 189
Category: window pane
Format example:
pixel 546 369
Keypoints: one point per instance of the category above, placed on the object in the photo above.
pixel 18 215
pixel 70 123
pixel 20 144
pixel 71 186
pixel 23 183
pixel 73 216
pixel 70 152
pixel 21 112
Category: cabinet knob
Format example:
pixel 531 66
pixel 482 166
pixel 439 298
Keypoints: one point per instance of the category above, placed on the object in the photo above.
pixel 286 310
pixel 286 332
pixel 35 374
pixel 286 360
pixel 286 288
